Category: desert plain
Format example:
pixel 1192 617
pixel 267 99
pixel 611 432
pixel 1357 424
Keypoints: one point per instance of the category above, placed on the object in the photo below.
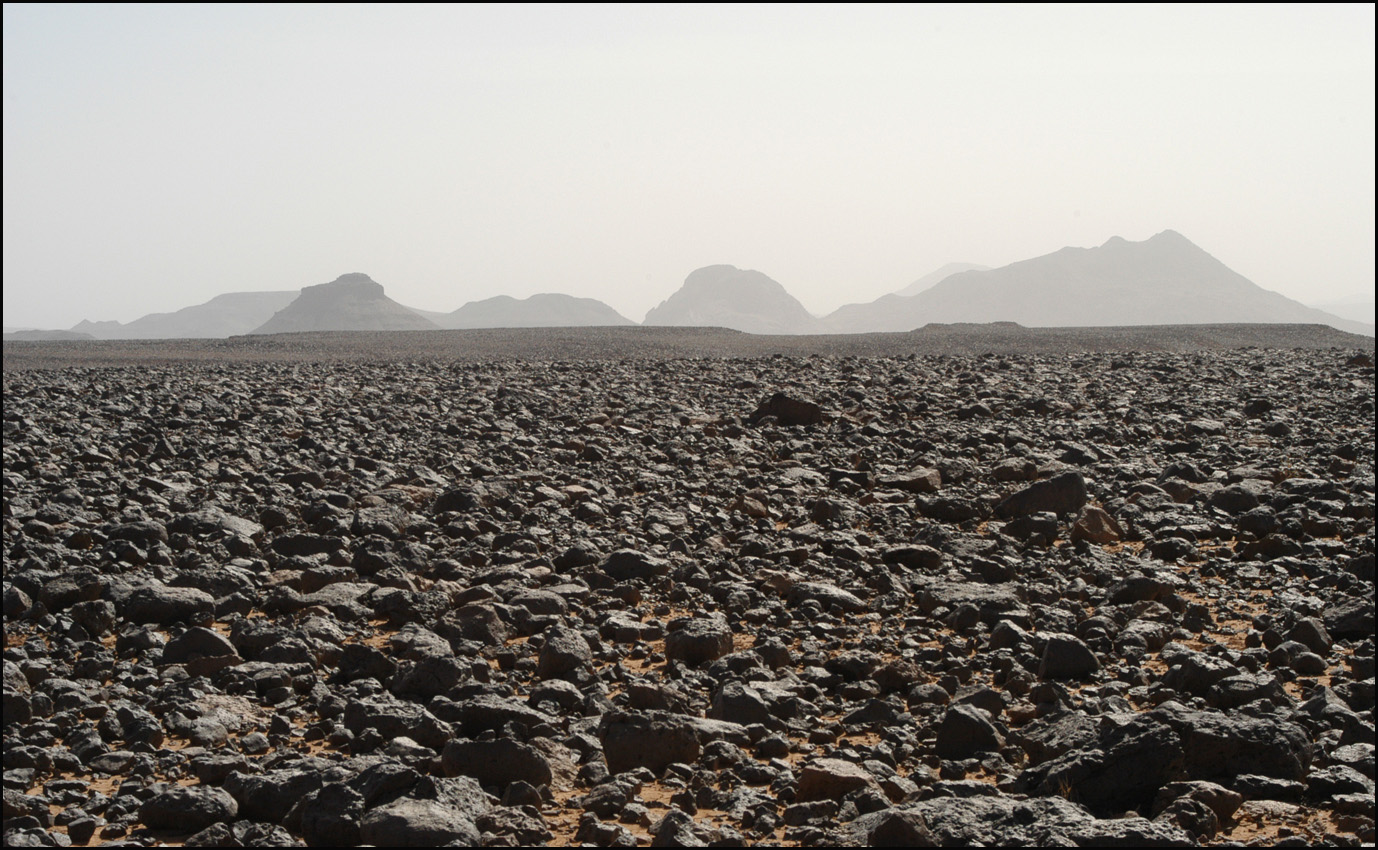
pixel 672 586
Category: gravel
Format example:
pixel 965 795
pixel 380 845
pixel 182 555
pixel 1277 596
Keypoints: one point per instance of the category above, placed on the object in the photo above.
pixel 686 586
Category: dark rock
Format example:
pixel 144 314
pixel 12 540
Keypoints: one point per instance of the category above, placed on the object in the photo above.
pixel 394 718
pixel 1352 617
pixel 1067 657
pixel 914 557
pixel 331 816
pixel 161 605
pixel 1169 744
pixel 1197 672
pixel 787 411
pixel 965 731
pixel 144 533
pixel 1096 526
pixel 892 828
pixel 698 641
pixel 915 481
pixel 740 703
pixel 564 650
pixel 1064 493
pixel 1042 821
pixel 826 595
pixel 1222 801
pixel 475 621
pixel 196 643
pixel 498 762
pixel 523 826
pixel 487 712
pixel 268 796
pixel 417 823
pixel 830 779
pixel 1050 736
pixel 188 809
pixel 629 564
pixel 1236 498
pixel 651 739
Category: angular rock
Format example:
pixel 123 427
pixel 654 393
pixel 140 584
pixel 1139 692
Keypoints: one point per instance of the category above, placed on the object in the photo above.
pixel 564 650
pixel 500 762
pixel 965 731
pixel 650 739
pixel 188 809
pixel 158 604
pixel 699 641
pixel 830 779
pixel 1067 657
pixel 1064 493
pixel 787 411
pixel 417 823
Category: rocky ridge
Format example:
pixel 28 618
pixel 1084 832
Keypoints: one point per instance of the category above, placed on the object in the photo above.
pixel 795 599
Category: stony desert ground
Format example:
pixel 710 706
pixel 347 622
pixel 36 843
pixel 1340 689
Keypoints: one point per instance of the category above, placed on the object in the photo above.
pixel 666 586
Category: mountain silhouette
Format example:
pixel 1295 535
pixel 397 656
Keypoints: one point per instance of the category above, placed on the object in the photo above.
pixel 224 315
pixel 1164 280
pixel 37 335
pixel 729 297
pixel 935 277
pixel 547 310
pixel 352 302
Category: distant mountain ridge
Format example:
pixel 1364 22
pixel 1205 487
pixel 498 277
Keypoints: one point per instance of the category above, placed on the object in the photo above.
pixel 36 335
pixel 351 302
pixel 546 310
pixel 933 278
pixel 224 315
pixel 1164 280
pixel 1356 308
pixel 729 297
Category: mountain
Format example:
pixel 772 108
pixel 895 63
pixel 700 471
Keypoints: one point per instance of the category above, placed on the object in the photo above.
pixel 933 278
pixel 222 316
pixel 548 310
pixel 729 297
pixel 1164 280
pixel 1356 308
pixel 34 335
pixel 108 329
pixel 352 302
pixel 889 312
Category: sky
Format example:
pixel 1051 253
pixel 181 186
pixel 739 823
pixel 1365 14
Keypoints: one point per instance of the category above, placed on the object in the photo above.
pixel 157 156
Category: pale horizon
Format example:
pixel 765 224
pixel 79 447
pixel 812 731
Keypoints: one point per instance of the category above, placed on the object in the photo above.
pixel 156 157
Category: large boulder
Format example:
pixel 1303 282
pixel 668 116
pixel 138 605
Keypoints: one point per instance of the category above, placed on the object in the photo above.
pixel 188 809
pixel 650 739
pixel 1064 493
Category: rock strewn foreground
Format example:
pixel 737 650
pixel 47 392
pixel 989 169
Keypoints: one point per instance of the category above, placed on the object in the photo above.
pixel 1092 599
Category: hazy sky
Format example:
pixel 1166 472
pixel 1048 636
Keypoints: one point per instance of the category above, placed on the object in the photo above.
pixel 157 156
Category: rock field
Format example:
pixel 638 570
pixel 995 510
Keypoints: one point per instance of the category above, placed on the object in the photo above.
pixel 1069 597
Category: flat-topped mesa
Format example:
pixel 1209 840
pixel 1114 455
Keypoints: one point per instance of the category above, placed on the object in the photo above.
pixel 351 302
